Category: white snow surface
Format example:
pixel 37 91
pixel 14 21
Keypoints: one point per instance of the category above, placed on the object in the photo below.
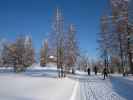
pixel 97 89
pixel 20 87
pixel 37 83
pixel 42 83
pixel 130 78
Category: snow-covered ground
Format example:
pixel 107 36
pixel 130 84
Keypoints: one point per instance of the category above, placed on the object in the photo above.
pixel 20 87
pixel 130 77
pixel 95 88
pixel 36 83
pixel 123 86
pixel 39 83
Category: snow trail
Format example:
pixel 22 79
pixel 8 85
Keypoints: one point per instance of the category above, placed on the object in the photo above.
pixel 74 93
pixel 94 88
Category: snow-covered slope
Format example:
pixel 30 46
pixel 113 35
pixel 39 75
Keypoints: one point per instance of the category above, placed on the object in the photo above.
pixel 20 87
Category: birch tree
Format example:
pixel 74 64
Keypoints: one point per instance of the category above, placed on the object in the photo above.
pixel 72 50
pixel 44 54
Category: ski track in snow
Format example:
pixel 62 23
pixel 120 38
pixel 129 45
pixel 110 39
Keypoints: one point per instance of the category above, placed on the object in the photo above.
pixel 94 88
pixel 39 83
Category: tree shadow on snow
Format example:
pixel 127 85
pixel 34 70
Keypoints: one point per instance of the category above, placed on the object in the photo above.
pixel 42 73
pixel 123 87
pixel 86 77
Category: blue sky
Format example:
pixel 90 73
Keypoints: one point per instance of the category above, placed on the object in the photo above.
pixel 34 17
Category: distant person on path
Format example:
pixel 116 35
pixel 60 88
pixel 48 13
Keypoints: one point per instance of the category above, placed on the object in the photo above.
pixel 88 70
pixel 105 73
pixel 95 70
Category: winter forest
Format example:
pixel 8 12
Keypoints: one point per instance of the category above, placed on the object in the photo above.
pixel 61 69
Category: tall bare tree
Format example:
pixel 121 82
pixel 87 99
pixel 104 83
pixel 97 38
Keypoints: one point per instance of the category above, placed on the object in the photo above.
pixel 57 40
pixel 118 42
pixel 72 50
pixel 28 56
pixel 44 54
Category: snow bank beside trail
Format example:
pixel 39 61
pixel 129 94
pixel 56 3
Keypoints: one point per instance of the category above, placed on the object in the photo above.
pixel 123 86
pixel 36 83
pixel 50 70
pixel 38 67
pixel 6 69
pixel 130 78
pixel 81 72
pixel 34 67
pixel 20 87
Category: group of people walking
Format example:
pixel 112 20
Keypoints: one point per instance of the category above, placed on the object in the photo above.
pixel 104 72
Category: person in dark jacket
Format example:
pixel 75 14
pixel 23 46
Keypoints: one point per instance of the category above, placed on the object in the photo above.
pixel 105 73
pixel 88 70
pixel 95 70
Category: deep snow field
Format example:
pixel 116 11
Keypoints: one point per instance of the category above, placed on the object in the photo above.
pixel 36 83
pixel 39 83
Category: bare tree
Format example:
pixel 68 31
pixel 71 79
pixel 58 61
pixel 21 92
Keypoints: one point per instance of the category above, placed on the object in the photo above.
pixel 44 54
pixel 83 62
pixel 28 56
pixel 18 54
pixel 104 40
pixel 114 38
pixel 57 40
pixel 72 50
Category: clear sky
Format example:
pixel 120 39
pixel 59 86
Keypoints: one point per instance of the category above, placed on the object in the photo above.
pixel 35 17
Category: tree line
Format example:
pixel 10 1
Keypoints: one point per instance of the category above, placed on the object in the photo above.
pixel 116 37
pixel 18 54
pixel 63 46
pixel 60 45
